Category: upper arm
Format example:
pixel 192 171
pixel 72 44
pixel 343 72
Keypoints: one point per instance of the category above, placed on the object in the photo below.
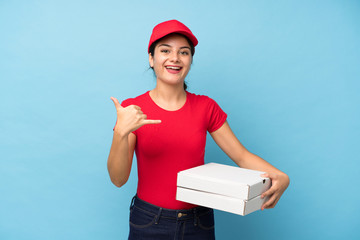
pixel 227 141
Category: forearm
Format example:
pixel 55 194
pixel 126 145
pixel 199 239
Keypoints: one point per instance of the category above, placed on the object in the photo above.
pixel 119 162
pixel 251 161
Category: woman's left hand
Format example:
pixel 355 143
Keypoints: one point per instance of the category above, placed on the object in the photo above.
pixel 279 183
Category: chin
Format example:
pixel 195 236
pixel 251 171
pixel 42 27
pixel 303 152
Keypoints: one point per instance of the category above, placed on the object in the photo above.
pixel 174 82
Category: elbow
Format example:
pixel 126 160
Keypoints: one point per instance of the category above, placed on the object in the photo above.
pixel 119 182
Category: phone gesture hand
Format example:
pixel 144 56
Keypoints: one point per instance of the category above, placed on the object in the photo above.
pixel 130 118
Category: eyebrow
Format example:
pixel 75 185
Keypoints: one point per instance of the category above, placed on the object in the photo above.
pixel 167 45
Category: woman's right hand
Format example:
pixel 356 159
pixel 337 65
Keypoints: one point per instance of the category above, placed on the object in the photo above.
pixel 130 118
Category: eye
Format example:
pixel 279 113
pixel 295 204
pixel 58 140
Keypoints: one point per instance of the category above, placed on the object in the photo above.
pixel 184 53
pixel 164 50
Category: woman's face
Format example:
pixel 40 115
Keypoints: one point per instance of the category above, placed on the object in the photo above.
pixel 172 59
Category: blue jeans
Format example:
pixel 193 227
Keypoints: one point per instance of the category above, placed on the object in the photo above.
pixel 148 221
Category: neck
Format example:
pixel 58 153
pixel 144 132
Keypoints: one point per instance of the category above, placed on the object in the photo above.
pixel 169 97
pixel 168 92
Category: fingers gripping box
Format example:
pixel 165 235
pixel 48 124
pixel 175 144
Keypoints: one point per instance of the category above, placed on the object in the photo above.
pixel 227 188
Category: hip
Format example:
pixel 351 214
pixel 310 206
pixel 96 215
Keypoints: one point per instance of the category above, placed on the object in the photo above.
pixel 148 221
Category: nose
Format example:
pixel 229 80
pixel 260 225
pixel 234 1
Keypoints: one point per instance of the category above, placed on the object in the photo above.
pixel 174 57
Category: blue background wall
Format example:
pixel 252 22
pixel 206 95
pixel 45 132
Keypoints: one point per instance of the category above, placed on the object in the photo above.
pixel 286 72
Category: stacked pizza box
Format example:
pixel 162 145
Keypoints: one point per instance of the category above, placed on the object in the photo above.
pixel 227 188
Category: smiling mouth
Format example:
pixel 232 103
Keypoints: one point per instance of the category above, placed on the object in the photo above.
pixel 173 68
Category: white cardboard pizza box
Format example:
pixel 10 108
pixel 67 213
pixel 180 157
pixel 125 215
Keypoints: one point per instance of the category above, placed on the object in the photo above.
pixel 224 180
pixel 220 202
pixel 222 187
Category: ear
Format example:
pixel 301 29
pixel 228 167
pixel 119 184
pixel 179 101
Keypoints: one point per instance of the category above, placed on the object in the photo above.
pixel 151 60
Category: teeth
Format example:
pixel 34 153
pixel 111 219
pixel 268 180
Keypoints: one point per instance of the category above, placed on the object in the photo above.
pixel 176 68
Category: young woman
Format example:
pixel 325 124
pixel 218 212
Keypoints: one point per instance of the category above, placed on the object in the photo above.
pixel 166 127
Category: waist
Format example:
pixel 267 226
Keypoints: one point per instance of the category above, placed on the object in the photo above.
pixel 182 214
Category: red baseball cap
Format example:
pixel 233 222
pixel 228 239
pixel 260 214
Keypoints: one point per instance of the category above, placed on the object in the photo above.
pixel 171 26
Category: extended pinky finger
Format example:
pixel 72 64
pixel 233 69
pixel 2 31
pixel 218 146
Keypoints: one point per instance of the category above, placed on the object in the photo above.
pixel 148 121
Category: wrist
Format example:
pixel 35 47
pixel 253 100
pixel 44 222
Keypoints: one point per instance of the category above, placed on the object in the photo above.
pixel 120 133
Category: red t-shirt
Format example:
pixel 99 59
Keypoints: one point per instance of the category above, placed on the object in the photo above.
pixel 176 144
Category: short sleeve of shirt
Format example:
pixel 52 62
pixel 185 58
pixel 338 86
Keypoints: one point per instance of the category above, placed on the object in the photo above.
pixel 124 104
pixel 216 116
